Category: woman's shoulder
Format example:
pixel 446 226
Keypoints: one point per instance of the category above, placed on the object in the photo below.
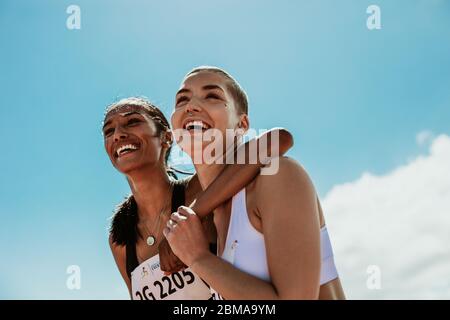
pixel 286 175
pixel 289 187
pixel 281 169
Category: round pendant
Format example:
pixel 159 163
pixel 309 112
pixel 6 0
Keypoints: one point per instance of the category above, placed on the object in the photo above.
pixel 151 240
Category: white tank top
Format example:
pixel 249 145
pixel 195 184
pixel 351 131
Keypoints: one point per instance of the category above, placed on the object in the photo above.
pixel 246 250
pixel 148 282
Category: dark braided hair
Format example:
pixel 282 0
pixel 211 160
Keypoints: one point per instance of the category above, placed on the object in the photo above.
pixel 123 227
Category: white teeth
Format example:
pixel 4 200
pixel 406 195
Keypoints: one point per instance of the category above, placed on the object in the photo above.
pixel 196 125
pixel 125 147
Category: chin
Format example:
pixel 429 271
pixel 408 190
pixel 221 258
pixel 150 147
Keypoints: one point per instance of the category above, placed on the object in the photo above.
pixel 126 168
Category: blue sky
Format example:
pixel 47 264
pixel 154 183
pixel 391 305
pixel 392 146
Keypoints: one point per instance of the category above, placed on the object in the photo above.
pixel 354 99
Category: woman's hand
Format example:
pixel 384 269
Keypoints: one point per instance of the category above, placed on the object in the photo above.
pixel 186 236
pixel 169 262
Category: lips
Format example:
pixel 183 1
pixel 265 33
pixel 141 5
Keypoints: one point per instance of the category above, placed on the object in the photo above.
pixel 125 149
pixel 196 125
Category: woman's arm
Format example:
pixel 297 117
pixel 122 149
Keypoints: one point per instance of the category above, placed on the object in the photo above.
pixel 291 231
pixel 119 254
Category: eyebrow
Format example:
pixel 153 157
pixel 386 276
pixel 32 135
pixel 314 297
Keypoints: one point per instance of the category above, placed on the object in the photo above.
pixel 212 87
pixel 126 114
pixel 205 87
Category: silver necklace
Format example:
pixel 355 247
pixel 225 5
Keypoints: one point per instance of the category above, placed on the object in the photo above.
pixel 151 238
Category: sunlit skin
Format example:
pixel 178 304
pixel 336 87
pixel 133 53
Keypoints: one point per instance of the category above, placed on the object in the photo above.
pixel 288 223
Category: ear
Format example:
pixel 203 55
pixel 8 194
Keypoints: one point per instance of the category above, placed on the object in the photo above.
pixel 244 122
pixel 166 138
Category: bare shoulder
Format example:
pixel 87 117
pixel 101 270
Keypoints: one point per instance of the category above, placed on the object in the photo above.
pixel 289 187
pixel 290 173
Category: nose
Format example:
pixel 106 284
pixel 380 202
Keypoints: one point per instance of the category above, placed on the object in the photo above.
pixel 119 134
pixel 193 105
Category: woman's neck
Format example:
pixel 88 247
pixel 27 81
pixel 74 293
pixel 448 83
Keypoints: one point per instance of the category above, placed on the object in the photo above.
pixel 150 187
pixel 207 173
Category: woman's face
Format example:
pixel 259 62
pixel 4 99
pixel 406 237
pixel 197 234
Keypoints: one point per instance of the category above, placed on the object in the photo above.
pixel 131 139
pixel 204 100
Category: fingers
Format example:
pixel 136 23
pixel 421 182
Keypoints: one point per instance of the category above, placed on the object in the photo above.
pixel 177 263
pixel 169 262
pixel 172 263
pixel 171 267
pixel 185 211
pixel 179 228
pixel 170 227
pixel 175 219
pixel 178 217
pixel 166 232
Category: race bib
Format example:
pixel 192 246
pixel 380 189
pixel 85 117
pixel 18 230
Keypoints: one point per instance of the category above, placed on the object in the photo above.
pixel 148 282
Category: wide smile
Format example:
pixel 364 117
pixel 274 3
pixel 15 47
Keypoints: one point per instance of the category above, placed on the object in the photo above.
pixel 126 149
pixel 196 125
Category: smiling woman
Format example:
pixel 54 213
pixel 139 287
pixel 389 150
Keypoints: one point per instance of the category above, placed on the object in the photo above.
pixel 271 245
pixel 137 140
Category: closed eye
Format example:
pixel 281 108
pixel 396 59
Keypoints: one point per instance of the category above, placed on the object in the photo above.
pixel 213 96
pixel 133 121
pixel 108 132
pixel 182 99
pixel 130 123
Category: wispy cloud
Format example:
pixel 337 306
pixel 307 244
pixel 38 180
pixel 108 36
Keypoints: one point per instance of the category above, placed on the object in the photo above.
pixel 400 222
pixel 424 137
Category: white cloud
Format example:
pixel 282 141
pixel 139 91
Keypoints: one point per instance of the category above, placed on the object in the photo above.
pixel 400 222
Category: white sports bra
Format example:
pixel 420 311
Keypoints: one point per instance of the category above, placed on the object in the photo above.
pixel 246 250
